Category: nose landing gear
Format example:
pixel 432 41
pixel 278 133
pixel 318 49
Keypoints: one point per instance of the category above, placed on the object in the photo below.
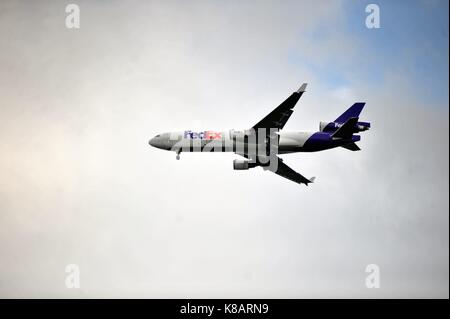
pixel 178 154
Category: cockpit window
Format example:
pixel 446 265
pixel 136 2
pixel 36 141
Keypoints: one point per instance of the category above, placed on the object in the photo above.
pixel 158 135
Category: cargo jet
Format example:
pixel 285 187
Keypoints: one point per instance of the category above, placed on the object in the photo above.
pixel 261 144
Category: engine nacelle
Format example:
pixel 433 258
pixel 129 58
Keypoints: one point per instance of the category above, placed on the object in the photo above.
pixel 362 126
pixel 240 165
pixel 243 165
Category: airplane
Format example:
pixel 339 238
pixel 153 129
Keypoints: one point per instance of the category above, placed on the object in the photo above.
pixel 261 144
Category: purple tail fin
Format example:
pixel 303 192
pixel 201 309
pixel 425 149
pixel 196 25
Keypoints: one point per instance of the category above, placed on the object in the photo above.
pixel 353 111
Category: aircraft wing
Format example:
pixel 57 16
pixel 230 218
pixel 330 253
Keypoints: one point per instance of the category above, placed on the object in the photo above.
pixel 285 171
pixel 279 116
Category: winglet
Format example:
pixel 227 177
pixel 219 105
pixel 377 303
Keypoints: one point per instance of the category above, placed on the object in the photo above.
pixel 302 88
pixel 312 179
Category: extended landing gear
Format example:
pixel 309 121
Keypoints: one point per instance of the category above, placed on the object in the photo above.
pixel 178 155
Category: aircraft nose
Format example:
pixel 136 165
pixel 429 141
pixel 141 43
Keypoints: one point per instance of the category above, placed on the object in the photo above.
pixel 157 141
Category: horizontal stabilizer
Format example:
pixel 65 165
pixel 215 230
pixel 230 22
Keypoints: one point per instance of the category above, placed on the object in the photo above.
pixel 352 147
pixel 346 130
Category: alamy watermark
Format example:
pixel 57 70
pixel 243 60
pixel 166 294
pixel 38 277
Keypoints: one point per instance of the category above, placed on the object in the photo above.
pixel 373 277
pixel 373 19
pixel 259 146
pixel 73 16
pixel 73 276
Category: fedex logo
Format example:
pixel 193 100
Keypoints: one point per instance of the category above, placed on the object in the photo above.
pixel 206 135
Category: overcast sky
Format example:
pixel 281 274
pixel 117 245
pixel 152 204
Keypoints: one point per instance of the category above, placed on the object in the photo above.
pixel 79 183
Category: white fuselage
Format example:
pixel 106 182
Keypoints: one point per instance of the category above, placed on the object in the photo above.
pixel 226 141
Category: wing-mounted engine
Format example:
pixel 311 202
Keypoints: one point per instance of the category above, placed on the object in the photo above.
pixel 243 165
pixel 247 164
